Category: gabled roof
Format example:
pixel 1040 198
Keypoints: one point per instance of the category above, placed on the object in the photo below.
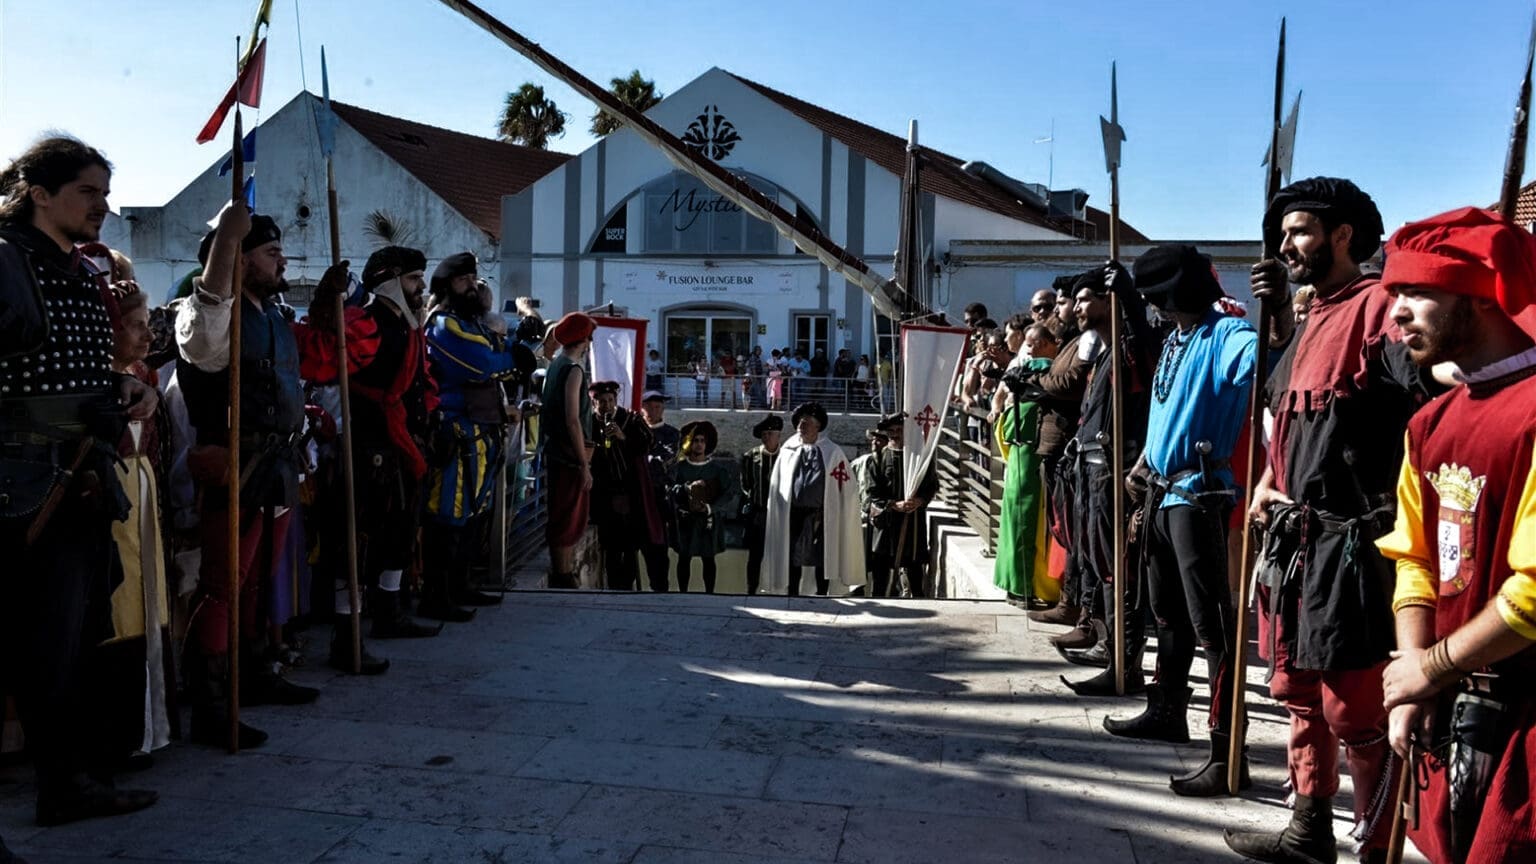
pixel 942 174
pixel 470 173
pixel 1525 205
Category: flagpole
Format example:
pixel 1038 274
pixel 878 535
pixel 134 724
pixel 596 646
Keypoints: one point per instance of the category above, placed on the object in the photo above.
pixel 232 546
pixel 343 379
pixel 1117 398
pixel 1255 452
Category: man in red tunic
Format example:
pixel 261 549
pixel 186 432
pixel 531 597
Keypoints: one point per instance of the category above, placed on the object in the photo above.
pixel 1459 685
pixel 1339 395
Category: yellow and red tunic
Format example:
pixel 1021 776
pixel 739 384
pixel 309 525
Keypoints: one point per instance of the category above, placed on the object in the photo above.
pixel 1465 537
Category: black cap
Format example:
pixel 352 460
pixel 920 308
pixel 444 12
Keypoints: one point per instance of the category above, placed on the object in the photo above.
pixel 1335 199
pixel 391 262
pixel 771 423
pixel 812 410
pixel 1176 277
pixel 598 388
pixel 459 264
pixel 892 421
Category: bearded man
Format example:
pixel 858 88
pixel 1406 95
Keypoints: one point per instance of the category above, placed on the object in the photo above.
pixel 813 512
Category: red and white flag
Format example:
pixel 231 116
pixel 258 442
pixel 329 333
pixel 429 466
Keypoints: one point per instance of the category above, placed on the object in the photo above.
pixel 618 354
pixel 930 360
pixel 247 87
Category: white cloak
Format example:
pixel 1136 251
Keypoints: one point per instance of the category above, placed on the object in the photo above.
pixel 842 538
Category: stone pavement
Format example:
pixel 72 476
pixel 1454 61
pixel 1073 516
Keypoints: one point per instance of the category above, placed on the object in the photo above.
pixel 685 729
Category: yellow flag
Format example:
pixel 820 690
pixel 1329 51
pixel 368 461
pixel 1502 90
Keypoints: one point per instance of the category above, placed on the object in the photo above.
pixel 263 18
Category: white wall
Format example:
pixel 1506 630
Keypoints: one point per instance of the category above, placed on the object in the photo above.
pixel 290 173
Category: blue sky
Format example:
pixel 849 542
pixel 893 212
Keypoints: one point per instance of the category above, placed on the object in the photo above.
pixel 1412 99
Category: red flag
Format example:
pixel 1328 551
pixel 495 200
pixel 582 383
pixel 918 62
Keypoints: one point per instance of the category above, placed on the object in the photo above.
pixel 246 89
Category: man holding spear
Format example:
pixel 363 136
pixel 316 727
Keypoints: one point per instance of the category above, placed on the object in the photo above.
pixel 1341 389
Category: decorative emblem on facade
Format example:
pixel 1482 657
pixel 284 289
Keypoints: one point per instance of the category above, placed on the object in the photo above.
pixel 840 474
pixel 711 135
pixel 926 420
pixel 1458 492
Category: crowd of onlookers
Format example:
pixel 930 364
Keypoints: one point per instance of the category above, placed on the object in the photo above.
pixel 774 381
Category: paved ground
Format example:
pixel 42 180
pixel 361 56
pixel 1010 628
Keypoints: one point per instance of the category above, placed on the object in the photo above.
pixel 641 729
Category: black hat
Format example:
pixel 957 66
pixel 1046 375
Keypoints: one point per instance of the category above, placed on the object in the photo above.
pixel 391 262
pixel 1339 201
pixel 771 423
pixel 598 388
pixel 1092 279
pixel 653 396
pixel 889 421
pixel 1063 284
pixel 873 435
pixel 698 427
pixel 264 230
pixel 453 266
pixel 1176 277
pixel 812 410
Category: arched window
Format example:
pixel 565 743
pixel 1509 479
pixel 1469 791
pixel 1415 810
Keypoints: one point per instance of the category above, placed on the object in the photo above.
pixel 682 215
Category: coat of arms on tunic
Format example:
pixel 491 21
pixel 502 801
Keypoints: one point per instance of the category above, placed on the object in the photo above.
pixel 711 135
pixel 1456 539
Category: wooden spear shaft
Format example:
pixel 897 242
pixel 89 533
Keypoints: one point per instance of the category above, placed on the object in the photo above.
pixel 1117 436
pixel 1256 455
pixel 344 382
pixel 232 529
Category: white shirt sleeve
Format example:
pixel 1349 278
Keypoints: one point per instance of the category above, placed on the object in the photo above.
pixel 202 330
pixel 1090 345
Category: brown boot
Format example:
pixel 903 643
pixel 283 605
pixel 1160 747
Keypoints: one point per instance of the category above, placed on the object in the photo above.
pixel 1084 635
pixel 1061 613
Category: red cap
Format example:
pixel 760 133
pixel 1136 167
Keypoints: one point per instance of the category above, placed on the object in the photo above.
pixel 1470 251
pixel 574 327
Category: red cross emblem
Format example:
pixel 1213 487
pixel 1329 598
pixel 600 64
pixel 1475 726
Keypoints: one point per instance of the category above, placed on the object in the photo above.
pixel 926 420
pixel 840 474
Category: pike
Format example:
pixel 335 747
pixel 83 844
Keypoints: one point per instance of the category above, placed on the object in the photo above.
pixel 889 297
pixel 237 195
pixel 1113 136
pixel 343 380
pixel 1272 180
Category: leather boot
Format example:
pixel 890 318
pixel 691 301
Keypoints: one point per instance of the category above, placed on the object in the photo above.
pixel 206 681
pixel 7 856
pixel 84 798
pixel 1163 719
pixel 461 594
pixel 391 621
pixel 1103 684
pixel 1085 635
pixel 1061 613
pixel 564 581
pixel 1100 655
pixel 341 650
pixel 1210 779
pixel 1307 840
pixel 442 560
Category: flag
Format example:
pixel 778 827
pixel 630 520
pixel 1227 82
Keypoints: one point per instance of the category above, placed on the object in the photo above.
pixel 250 201
pixel 246 90
pixel 247 154
pixel 618 354
pixel 930 360
pixel 325 120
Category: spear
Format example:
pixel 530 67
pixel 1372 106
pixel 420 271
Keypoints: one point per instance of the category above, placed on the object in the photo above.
pixel 1514 161
pixel 343 379
pixel 1113 135
pixel 1272 181
pixel 237 300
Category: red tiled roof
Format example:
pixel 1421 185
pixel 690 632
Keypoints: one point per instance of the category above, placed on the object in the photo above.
pixel 943 174
pixel 469 172
pixel 1525 205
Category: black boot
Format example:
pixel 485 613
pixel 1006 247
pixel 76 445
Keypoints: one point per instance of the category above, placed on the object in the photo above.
pixel 1163 719
pixel 1307 840
pixel 341 650
pixel 442 561
pixel 7 856
pixel 461 594
pixel 261 684
pixel 207 678
pixel 391 621
pixel 1099 655
pixel 84 798
pixel 1210 779
pixel 1103 684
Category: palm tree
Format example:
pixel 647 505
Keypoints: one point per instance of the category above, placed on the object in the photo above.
pixel 530 119
pixel 635 91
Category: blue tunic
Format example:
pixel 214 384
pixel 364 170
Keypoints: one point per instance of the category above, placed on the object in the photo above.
pixel 1205 375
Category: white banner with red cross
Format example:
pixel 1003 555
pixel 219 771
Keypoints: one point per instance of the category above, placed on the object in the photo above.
pixel 930 360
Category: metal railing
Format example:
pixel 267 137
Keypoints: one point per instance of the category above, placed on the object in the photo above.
pixel 970 470
pixel 757 393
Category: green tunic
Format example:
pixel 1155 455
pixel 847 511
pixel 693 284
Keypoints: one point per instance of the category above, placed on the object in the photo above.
pixel 701 534
pixel 1022 566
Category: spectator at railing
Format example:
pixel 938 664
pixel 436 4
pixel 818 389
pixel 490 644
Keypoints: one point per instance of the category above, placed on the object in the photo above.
pixel 776 375
pixel 726 366
pixel 655 371
pixel 756 383
pixel 699 365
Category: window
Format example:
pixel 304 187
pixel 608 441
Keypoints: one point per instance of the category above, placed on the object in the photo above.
pixel 683 215
pixel 689 333
pixel 811 334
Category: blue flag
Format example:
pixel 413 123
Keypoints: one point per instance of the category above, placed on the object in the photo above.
pixel 247 153
pixel 250 193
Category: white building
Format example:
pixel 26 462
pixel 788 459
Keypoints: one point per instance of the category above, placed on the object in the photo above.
pixel 619 224
pixel 397 181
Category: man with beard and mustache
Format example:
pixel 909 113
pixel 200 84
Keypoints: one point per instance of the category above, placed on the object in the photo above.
pixel 65 410
pixel 470 356
pixel 621 504
pixel 271 428
pixel 392 397
pixel 1464 285
pixel 1340 392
